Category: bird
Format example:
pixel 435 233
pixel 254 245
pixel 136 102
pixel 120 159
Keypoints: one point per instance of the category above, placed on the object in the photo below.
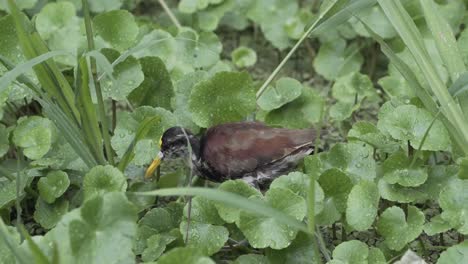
pixel 251 151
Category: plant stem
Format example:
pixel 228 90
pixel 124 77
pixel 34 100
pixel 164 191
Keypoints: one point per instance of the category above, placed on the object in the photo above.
pixel 170 14
pixel 100 100
pixel 291 52
pixel 321 242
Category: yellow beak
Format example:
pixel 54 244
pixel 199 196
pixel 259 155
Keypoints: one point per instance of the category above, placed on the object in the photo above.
pixel 154 165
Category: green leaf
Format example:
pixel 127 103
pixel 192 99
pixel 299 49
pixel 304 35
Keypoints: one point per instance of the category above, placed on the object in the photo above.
pixel 183 88
pixel 53 185
pixel 35 135
pixel 128 75
pixel 49 214
pixel 353 251
pixel 408 122
pixel 396 86
pixel 454 254
pixel 9 43
pixel 397 169
pixel 105 5
pixel 342 111
pixel 301 250
pixel 454 202
pixel 207 237
pixel 10 237
pixel 368 132
pixel 336 186
pixel 463 172
pixel 398 229
pixel 227 97
pixel 353 158
pixel 354 88
pixel 4 139
pixel 251 259
pixel 228 213
pixel 117 27
pixel 156 246
pixel 92 233
pixel 301 113
pixel 185 255
pixel 437 225
pixel 262 232
pixel 127 125
pixel 285 90
pixel 156 89
pixel 362 205
pixel 334 59
pixel 272 17
pixel 298 183
pixel 103 179
pixel 59 26
pixel 244 57
pixel 376 20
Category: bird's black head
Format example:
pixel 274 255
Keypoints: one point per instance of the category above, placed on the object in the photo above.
pixel 174 142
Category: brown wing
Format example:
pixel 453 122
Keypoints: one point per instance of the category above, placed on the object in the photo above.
pixel 238 148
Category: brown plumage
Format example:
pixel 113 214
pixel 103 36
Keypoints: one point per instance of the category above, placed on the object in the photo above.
pixel 245 150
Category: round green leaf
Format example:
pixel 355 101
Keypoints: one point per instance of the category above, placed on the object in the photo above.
pixel 397 229
pixel 185 255
pixel 408 122
pixel 22 4
pixel 362 205
pixel 301 250
pixel 353 88
pixel 227 97
pixel 285 90
pixel 298 183
pixel 455 254
pixel 240 187
pixel 374 18
pixel 353 158
pixel 103 179
pixel 453 200
pixel 35 135
pixel 353 251
pixel 53 185
pixel 127 124
pixel 336 185
pixel 300 113
pixel 368 132
pixel 117 27
pixel 208 238
pixel 48 215
pixel 437 225
pixel 251 259
pixel 244 57
pixel 156 246
pixel 397 170
pixel 334 59
pixel 127 76
pixel 156 90
pixel 93 237
pixel 203 210
pixel 105 5
pixel 262 232
pixel 183 88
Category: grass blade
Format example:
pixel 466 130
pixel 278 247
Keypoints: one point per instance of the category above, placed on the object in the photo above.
pixel 10 244
pixel 38 255
pixel 232 200
pixel 412 38
pixel 143 129
pixel 89 121
pixel 445 40
pixel 100 101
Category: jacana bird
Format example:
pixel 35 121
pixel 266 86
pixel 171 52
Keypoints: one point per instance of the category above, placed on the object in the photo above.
pixel 251 151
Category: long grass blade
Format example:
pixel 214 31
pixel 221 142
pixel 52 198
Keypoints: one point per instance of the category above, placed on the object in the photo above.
pixel 412 38
pixel 89 121
pixel 231 199
pixel 5 236
pixel 421 91
pixel 100 101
